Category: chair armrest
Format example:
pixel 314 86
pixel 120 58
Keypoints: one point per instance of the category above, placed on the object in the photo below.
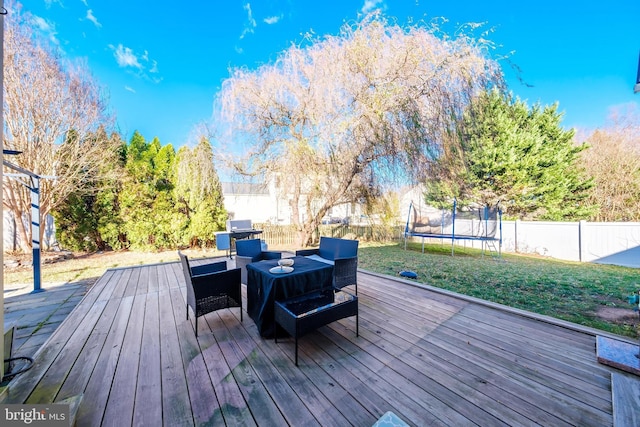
pixel 198 270
pixel 345 272
pixel 347 259
pixel 307 252
pixel 242 261
pixel 271 255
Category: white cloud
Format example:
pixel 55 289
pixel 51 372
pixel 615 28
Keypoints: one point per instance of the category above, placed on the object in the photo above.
pixel 46 27
pixel 272 19
pixel 50 2
pixel 371 5
pixel 129 89
pixel 91 17
pixel 125 57
pixel 42 24
pixel 251 24
pixel 140 64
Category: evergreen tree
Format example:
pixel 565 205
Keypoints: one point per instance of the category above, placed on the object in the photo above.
pixel 147 205
pixel 517 155
pixel 198 193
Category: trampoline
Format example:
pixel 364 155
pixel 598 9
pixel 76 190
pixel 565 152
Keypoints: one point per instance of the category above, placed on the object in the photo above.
pixel 483 224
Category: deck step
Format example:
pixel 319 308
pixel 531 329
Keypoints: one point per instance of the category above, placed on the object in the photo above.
pixel 625 395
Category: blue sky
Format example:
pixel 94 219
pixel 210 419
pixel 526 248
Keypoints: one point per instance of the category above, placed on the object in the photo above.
pixel 162 62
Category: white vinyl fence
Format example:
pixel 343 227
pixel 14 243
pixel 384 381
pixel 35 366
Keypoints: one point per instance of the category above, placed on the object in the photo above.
pixel 605 242
pixel 602 242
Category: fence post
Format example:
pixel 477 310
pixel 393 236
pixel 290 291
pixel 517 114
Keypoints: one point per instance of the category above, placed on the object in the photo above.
pixel 515 234
pixel 581 225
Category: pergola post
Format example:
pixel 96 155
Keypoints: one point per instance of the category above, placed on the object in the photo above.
pixel 32 182
pixel 2 13
pixel 35 233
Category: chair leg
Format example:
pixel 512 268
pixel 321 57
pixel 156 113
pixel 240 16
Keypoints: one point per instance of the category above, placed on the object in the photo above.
pixel 195 323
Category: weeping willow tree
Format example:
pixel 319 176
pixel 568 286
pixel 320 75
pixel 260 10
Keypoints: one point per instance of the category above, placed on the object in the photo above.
pixel 198 195
pixel 333 120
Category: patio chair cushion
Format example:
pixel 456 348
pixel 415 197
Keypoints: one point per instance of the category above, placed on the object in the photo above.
pixel 250 250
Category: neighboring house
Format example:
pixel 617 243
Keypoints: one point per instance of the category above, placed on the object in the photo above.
pixel 257 202
pixel 262 203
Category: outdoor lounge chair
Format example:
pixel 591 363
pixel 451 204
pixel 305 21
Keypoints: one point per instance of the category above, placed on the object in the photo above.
pixel 211 287
pixel 342 254
pixel 250 250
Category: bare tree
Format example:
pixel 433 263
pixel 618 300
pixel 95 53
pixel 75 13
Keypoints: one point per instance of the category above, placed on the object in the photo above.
pixel 336 118
pixel 53 111
pixel 614 162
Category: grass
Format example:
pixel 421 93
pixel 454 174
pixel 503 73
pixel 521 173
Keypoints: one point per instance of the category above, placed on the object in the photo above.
pixel 88 267
pixel 565 290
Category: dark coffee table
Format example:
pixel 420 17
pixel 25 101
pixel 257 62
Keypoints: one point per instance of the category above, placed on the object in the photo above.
pixel 305 313
pixel 265 287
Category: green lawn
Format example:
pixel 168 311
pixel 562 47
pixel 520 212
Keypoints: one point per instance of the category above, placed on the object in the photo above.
pixel 565 290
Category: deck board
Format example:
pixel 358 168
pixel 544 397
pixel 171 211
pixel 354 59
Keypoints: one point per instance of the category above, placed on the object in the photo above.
pixel 24 385
pixel 496 354
pixel 149 385
pixel 122 391
pixel 99 384
pixel 430 357
pixel 176 406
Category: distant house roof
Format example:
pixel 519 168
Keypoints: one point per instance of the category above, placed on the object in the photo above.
pixel 244 188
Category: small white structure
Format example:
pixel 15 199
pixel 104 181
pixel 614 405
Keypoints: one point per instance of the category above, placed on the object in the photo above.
pixel 256 201
pixel 263 203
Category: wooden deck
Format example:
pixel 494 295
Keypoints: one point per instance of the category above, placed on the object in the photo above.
pixel 432 359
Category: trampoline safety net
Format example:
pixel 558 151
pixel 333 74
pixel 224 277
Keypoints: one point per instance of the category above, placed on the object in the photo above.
pixel 471 223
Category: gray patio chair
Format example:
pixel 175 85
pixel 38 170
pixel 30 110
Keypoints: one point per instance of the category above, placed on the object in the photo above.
pixel 211 287
pixel 342 254
pixel 250 250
